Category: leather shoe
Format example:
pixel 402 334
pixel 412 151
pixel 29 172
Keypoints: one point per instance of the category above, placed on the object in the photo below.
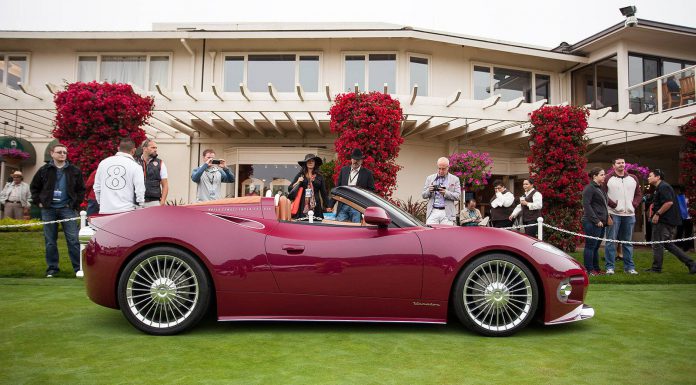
pixel 651 270
pixel 692 268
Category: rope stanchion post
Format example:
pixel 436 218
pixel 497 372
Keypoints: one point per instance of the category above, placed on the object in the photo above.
pixel 83 224
pixel 540 228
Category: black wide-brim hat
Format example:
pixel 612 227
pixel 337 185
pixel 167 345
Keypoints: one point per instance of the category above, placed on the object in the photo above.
pixel 357 154
pixel 317 160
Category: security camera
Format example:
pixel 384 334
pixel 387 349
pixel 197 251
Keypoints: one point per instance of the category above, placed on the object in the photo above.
pixel 631 21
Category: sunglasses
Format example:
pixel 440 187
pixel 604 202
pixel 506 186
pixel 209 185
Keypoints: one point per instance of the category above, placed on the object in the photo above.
pixel 61 152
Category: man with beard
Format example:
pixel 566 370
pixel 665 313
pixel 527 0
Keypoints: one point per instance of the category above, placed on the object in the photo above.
pixel 155 173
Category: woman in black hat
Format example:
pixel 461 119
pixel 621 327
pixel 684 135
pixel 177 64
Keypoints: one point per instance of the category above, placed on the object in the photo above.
pixel 313 194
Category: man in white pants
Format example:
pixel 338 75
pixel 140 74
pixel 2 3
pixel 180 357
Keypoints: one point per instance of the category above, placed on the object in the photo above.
pixel 441 190
pixel 119 184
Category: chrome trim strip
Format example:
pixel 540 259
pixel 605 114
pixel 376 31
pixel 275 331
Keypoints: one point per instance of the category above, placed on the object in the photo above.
pixel 582 312
pixel 257 226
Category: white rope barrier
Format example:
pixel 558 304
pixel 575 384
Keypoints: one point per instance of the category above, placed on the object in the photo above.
pixel 617 241
pixel 38 223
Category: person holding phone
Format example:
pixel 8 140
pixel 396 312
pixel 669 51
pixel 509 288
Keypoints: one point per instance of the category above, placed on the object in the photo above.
pixel 441 190
pixel 210 176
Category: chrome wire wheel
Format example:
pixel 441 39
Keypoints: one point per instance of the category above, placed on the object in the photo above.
pixel 496 295
pixel 162 291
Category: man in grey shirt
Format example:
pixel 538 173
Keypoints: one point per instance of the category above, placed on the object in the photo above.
pixel 210 176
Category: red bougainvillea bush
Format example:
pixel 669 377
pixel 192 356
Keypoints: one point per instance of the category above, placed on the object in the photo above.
pixel 687 164
pixel 92 118
pixel 557 165
pixel 372 123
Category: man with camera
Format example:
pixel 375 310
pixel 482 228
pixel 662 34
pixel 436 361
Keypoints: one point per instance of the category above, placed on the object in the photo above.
pixel 155 173
pixel 210 176
pixel 441 190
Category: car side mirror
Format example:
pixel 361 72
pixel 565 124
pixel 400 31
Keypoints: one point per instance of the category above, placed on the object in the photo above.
pixel 377 216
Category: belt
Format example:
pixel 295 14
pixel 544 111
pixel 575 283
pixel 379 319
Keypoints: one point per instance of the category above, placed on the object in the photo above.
pixel 13 202
pixel 438 208
pixel 151 199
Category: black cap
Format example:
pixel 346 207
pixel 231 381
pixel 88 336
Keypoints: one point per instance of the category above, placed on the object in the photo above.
pixel 357 154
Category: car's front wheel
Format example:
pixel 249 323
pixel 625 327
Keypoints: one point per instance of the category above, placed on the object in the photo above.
pixel 163 291
pixel 496 295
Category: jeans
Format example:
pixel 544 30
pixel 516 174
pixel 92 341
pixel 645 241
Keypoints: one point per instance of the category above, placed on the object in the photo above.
pixel 347 213
pixel 665 232
pixel 70 228
pixel 621 230
pixel 591 252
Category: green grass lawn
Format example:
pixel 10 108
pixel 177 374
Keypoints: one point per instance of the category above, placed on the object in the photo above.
pixel 51 333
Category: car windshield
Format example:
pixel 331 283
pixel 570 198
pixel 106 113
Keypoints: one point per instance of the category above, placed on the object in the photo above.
pixel 394 210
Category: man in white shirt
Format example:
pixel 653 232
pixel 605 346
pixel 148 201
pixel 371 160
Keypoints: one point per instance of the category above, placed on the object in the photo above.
pixel 623 197
pixel 530 207
pixel 501 205
pixel 119 184
pixel 155 174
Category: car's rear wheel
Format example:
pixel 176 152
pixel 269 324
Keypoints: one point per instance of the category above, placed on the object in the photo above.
pixel 163 291
pixel 496 295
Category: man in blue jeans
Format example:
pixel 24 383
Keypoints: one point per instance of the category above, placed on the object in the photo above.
pixel 59 189
pixel 353 175
pixel 623 197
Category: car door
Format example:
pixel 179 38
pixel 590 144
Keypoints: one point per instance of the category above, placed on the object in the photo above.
pixel 336 260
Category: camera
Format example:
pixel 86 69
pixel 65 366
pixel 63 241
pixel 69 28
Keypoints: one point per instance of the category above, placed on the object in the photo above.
pixel 631 21
pixel 216 161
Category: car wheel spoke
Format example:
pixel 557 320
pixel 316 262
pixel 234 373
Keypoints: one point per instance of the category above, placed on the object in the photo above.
pixel 162 291
pixel 497 295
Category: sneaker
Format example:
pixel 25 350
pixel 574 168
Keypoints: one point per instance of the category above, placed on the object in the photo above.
pixel 610 271
pixel 651 270
pixel 597 272
pixel 692 268
pixel 51 274
pixel 632 272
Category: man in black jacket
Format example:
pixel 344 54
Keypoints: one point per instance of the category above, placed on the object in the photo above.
pixel 353 175
pixel 58 189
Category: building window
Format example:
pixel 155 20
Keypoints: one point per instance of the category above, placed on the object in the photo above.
pixel 419 74
pixel 510 84
pixel 375 70
pixel 596 85
pixel 282 70
pixel 143 71
pixel 13 70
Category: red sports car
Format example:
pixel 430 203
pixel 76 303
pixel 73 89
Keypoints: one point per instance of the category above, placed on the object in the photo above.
pixel 163 267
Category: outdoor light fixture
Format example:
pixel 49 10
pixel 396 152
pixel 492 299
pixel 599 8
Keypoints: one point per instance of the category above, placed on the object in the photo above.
pixel 630 13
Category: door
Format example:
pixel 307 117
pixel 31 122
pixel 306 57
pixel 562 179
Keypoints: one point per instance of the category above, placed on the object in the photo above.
pixel 320 259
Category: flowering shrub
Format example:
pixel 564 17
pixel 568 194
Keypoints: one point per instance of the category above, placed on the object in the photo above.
pixel 93 117
pixel 14 153
pixel 557 164
pixel 687 164
pixel 370 122
pixel 473 169
pixel 633 168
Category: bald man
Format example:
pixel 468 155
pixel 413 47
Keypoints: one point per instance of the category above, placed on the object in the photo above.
pixel 441 190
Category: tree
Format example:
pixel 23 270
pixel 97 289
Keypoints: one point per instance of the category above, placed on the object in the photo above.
pixel 687 175
pixel 372 123
pixel 92 118
pixel 557 166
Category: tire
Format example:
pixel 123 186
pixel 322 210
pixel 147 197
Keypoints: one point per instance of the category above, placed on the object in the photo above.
pixel 163 291
pixel 496 295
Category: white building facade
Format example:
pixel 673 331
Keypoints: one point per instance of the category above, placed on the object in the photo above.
pixel 258 94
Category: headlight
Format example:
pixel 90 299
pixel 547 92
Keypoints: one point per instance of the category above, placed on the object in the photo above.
pixel 551 249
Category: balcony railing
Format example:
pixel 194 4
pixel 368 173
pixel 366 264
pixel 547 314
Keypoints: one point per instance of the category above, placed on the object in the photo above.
pixel 664 93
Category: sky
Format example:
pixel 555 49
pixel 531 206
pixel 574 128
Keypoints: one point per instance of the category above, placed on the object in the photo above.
pixel 543 23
